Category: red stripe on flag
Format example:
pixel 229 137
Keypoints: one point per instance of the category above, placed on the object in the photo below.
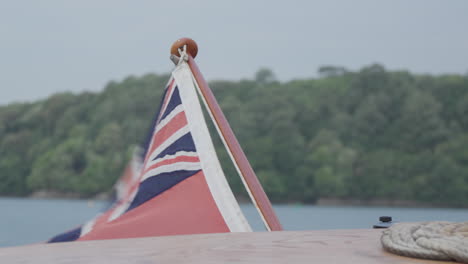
pixel 171 161
pixel 166 99
pixel 170 128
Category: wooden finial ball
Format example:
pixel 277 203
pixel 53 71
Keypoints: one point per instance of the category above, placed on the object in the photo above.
pixel 192 48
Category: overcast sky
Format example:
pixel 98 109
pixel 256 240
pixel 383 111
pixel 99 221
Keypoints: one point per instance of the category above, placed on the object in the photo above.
pixel 51 46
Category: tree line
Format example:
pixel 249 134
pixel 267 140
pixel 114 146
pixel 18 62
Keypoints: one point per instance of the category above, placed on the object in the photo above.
pixel 367 134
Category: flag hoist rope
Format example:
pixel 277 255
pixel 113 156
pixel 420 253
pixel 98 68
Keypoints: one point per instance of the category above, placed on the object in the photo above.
pixel 250 180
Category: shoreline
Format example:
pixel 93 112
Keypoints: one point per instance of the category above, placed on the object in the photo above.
pixel 47 195
pixel 76 196
pixel 383 203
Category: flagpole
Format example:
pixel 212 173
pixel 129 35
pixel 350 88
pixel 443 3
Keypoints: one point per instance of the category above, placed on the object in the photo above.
pixel 253 186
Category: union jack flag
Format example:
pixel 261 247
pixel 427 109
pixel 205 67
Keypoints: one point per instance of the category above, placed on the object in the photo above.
pixel 179 187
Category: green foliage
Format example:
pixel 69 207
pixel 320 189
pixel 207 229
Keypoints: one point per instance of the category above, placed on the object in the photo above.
pixel 371 134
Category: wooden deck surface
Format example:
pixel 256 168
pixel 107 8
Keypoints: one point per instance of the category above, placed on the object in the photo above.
pixel 331 246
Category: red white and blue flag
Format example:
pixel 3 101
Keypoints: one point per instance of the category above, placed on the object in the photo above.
pixel 179 186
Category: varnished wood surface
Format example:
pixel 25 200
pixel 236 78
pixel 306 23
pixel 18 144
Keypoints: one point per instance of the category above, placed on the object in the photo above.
pixel 336 246
pixel 248 174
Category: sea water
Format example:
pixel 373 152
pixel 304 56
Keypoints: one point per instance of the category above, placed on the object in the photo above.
pixel 26 221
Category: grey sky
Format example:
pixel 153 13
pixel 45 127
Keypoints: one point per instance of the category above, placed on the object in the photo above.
pixel 51 46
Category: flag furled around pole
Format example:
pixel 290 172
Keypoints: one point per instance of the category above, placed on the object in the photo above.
pixel 180 187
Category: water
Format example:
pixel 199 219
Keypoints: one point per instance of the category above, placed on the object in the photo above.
pixel 25 221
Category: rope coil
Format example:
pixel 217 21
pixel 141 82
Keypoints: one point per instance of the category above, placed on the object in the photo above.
pixel 428 240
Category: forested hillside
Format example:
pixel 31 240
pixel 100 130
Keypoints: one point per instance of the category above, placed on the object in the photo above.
pixel 372 134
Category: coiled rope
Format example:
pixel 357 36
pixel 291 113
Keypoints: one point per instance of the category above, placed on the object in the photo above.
pixel 428 240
